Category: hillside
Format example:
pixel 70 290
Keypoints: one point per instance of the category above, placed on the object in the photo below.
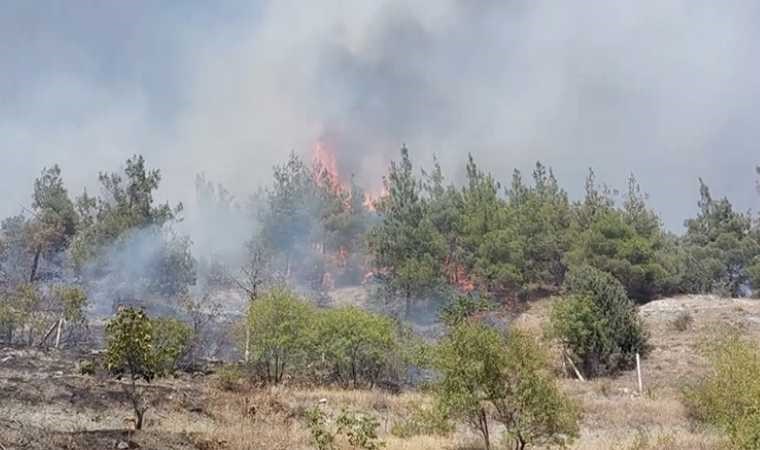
pixel 48 404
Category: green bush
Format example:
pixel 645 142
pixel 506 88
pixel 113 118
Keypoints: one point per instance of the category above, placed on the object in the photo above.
pixel 171 342
pixel 281 329
pixel 729 396
pixel 423 421
pixel 321 436
pixel 360 430
pixel 597 323
pixel 357 346
pixel 357 429
pixel 461 308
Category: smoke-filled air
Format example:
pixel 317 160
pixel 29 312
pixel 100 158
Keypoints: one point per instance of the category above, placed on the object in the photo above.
pixel 379 224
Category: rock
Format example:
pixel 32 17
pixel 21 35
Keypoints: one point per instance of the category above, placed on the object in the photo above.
pixel 322 401
pixel 122 445
pixel 6 359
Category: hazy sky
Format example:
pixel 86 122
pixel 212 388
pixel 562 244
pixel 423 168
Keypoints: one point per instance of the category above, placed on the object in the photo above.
pixel 667 89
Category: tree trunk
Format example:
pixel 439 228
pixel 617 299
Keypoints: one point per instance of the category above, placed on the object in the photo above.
pixel 35 264
pixel 137 405
pixel 483 421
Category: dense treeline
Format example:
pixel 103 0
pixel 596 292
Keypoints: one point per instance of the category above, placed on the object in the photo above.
pixel 423 238
pixel 516 240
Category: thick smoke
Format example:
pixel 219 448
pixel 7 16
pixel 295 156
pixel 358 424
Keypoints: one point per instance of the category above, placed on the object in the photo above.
pixel 665 89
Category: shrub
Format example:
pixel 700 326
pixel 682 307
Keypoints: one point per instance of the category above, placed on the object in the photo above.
pixel 129 349
pixel 281 333
pixel 357 346
pixel 360 430
pixel 461 308
pixel 729 396
pixel 321 437
pixel 171 341
pixel 230 377
pixel 507 377
pixel 135 347
pixel 682 322
pixel 423 421
pixel 597 323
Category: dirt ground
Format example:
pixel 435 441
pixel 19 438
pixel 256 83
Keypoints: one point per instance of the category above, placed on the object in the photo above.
pixel 45 403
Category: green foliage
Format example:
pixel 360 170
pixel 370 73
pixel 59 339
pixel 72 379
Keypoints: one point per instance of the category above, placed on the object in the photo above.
pixel 597 324
pixel 171 341
pixel 507 377
pixel 490 251
pixel 407 249
pixel 423 420
pixel 321 436
pixel 462 308
pixel 721 249
pixel 142 349
pixel 129 345
pixel 357 346
pixel 543 216
pixel 534 410
pixel 729 396
pixel 624 242
pixel 55 220
pixel 127 204
pixel 614 246
pixel 73 302
pixel 281 332
pixel 360 430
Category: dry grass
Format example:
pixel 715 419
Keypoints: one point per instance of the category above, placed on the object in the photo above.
pixel 41 408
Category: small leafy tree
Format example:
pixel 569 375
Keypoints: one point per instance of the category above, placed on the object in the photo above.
pixel 129 341
pixel 280 326
pixel 356 345
pixel 534 411
pixel 597 324
pixel 142 349
pixel 485 374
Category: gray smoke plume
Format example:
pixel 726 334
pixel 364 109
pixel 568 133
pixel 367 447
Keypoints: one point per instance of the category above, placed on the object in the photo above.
pixel 666 89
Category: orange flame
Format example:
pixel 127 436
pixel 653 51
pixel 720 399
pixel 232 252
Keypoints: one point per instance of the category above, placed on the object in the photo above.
pixel 326 162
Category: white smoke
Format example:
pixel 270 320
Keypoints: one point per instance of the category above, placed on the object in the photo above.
pixel 665 89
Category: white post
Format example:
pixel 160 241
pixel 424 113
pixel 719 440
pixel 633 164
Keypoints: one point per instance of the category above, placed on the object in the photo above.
pixel 58 333
pixel 247 344
pixel 638 373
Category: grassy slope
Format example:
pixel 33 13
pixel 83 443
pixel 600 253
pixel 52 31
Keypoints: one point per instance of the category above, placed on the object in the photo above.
pixel 45 404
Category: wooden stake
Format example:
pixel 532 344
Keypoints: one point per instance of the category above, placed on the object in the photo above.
pixel 575 369
pixel 47 335
pixel 58 333
pixel 638 373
